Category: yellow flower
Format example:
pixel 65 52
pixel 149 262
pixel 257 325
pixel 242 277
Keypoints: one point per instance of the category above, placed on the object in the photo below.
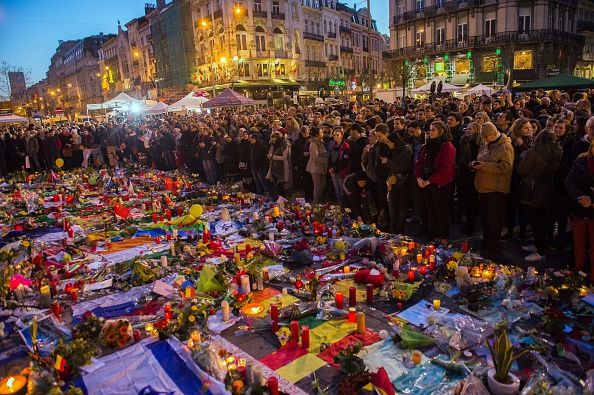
pixel 194 308
pixel 191 318
pixel 25 243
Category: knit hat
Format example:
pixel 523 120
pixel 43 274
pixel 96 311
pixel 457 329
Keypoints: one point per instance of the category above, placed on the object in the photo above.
pixel 488 128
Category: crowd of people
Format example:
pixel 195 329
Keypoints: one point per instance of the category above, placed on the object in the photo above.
pixel 522 165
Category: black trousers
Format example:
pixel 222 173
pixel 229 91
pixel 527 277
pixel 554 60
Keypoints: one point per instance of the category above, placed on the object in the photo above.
pixel 492 211
pixel 436 202
pixel 398 205
pixel 539 222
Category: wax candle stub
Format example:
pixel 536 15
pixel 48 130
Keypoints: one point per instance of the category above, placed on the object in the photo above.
pixel 339 299
pixel 352 297
pixel 360 322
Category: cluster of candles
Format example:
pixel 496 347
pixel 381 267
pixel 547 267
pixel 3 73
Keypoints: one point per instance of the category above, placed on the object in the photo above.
pixel 354 316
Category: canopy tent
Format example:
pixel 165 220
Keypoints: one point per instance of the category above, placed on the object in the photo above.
pixel 447 88
pixel 229 98
pixel 121 100
pixel 561 81
pixel 192 101
pixel 481 89
pixel 12 119
pixel 158 108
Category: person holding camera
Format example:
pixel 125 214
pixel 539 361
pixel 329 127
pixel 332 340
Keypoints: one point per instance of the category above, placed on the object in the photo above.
pixel 492 181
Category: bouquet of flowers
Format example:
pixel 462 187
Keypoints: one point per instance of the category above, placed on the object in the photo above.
pixel 117 334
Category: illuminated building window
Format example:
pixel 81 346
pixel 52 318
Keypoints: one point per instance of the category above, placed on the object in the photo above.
pixel 523 60
pixel 462 65
pixel 440 67
pixel 489 63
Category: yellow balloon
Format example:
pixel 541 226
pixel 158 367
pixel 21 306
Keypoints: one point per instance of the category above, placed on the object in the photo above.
pixel 59 162
pixel 196 211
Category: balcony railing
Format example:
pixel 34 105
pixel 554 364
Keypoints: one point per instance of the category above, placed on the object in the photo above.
pixel 313 36
pixel 346 49
pixel 315 63
pixel 345 29
pixel 425 12
pixel 278 15
pixel 349 71
pixel 332 58
pixel 262 54
pixel 545 35
pixel 260 14
pixel 331 34
pixel 365 49
pixel 585 26
pixel 279 53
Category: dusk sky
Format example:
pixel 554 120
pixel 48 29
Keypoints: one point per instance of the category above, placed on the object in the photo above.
pixel 30 29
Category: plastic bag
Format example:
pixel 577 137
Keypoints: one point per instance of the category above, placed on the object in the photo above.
pixel 459 331
pixel 207 282
pixel 411 339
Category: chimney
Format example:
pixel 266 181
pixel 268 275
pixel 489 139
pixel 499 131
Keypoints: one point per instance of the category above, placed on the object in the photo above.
pixel 160 4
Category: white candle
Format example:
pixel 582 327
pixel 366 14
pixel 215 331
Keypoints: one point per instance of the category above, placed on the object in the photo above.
pixel 172 248
pixel 257 374
pixel 285 291
pixel 19 293
pixel 174 233
pixel 245 284
pixel 260 284
pixel 225 310
pixel 46 296
pixel 164 260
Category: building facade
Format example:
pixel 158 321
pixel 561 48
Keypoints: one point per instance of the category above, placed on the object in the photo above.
pixel 269 48
pixel 18 86
pixel 585 27
pixel 476 41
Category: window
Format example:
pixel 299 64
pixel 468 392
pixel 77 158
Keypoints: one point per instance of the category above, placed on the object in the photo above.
pixel 262 70
pixel 462 32
pixel 401 9
pixel 490 63
pixel 462 65
pixel 401 41
pixel 279 39
pixel 439 3
pixel 257 5
pixel 522 60
pixel 243 69
pixel 440 35
pixel 551 17
pixel 275 7
pixel 241 39
pixel 420 39
pixel 260 39
pixel 524 24
pixel 420 5
pixel 490 27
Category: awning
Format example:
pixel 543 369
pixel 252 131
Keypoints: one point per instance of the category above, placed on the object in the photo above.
pixel 285 83
pixel 561 81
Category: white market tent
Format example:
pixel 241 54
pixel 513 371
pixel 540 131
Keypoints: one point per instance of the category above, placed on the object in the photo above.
pixel 481 89
pixel 123 100
pixel 158 108
pixel 447 88
pixel 12 119
pixel 192 101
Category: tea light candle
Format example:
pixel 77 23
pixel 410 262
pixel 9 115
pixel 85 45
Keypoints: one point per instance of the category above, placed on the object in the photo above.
pixel 245 284
pixel 339 300
pixel 46 296
pixel 164 260
pixel 294 331
pixel 416 357
pixel 276 211
pixel 225 310
pixel 411 275
pixel 352 296
pixel 305 337
pixel 352 317
pixel 273 385
pixel 419 258
pixel 369 289
pixel 16 384
pixel 361 322
pixel 436 304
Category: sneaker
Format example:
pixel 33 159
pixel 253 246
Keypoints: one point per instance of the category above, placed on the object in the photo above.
pixel 529 248
pixel 534 257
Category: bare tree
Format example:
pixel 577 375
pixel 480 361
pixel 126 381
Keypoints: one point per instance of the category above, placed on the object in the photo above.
pixel 402 71
pixel 6 68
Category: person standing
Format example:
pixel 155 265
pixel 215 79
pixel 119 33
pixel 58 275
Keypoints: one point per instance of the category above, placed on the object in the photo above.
pixel 33 150
pixel 279 169
pixel 258 163
pixel 400 164
pixel 537 169
pixel 492 181
pixel 435 171
pixel 112 142
pixel 340 163
pixel 580 186
pixel 317 165
pixel 467 195
pixel 300 156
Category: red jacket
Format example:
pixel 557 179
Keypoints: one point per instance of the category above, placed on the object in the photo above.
pixel 444 165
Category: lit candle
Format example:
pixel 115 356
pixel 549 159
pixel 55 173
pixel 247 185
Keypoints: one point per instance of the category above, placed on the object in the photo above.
pixel 339 300
pixel 265 274
pixel 260 283
pixel 305 337
pixel 16 384
pixel 294 331
pixel 342 257
pixel 276 211
pixel 46 296
pixel 411 275
pixel 369 289
pixel 236 258
pixel 487 274
pixel 273 385
pixel 352 315
pixel 419 258
pixel 149 328
pixel 411 245
pixel 225 310
pixel 164 260
pixel 416 357
pixel 245 284
pixel 423 270
pixel 436 304
pixel 352 296
pixel 361 322
pixel 347 268
pixel 432 263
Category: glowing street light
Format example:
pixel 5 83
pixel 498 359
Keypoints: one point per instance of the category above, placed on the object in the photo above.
pixel 223 60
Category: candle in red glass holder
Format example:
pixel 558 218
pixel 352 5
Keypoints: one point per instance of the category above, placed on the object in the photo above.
pixel 369 289
pixel 339 299
pixel 273 386
pixel 168 236
pixel 432 249
pixel 352 296
pixel 411 275
pixel 305 337
pixel 294 331
pixel 158 240
pixel 411 245
pixel 154 217
pixel 161 218
pixel 352 315
pixel 274 326
pixel 426 253
pixel 179 211
pixel 274 312
pixel 423 270
pixel 432 263
pixel 465 246
pixel 168 214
